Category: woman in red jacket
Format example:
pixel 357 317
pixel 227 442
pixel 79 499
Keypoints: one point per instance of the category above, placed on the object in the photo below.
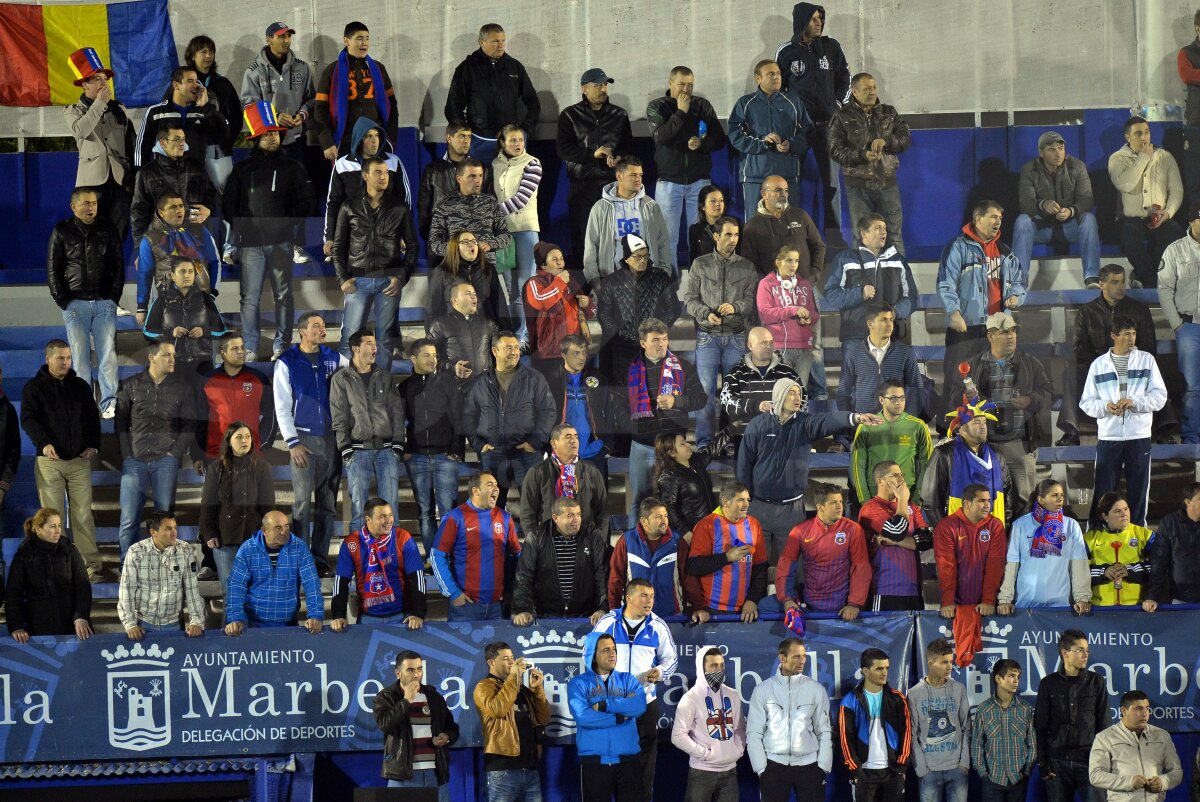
pixel 554 306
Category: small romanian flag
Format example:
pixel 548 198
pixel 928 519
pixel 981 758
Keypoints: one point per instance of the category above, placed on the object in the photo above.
pixel 36 43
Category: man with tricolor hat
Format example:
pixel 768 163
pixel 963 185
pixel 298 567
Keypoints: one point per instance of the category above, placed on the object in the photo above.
pixel 354 85
pixel 964 458
pixel 265 198
pixel 104 137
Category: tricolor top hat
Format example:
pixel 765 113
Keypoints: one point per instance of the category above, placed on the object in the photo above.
pixel 85 63
pixel 260 117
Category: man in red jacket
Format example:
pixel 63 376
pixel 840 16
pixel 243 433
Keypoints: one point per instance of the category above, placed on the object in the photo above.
pixel 235 392
pixel 970 547
pixel 837 570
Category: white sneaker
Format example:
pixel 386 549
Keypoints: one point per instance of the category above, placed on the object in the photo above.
pixel 230 258
pixel 300 256
pixel 123 312
pixel 108 411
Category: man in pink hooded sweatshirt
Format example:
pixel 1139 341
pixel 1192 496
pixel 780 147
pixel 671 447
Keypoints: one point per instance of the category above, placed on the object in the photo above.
pixel 709 726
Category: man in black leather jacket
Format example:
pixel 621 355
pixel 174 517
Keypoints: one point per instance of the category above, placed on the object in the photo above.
pixel 538 591
pixel 401 706
pixel 463 337
pixel 1071 708
pixel 374 252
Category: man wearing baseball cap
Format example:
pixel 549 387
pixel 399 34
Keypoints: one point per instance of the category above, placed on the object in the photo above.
pixel 592 136
pixel 1056 206
pixel 284 81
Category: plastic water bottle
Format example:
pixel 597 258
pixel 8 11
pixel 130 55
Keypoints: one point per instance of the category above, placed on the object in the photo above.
pixel 970 391
pixel 703 129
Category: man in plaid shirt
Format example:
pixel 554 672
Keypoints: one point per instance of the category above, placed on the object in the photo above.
pixel 1002 737
pixel 156 573
pixel 268 572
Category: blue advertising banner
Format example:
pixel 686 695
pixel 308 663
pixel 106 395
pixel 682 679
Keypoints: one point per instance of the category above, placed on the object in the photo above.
pixel 1157 654
pixel 283 690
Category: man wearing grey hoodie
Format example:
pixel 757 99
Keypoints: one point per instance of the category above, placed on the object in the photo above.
pixel 788 735
pixel 709 726
pixel 625 208
pixel 941 728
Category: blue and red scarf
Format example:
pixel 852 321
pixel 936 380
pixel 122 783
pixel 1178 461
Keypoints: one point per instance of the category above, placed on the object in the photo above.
pixel 375 588
pixel 339 90
pixel 567 485
pixel 639 394
pixel 1048 539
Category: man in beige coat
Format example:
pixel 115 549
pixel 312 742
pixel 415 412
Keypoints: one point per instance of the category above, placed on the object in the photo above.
pixel 1133 759
pixel 1151 193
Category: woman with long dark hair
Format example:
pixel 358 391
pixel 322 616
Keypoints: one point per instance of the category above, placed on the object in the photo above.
pixel 238 492
pixel 48 590
pixel 1119 552
pixel 702 234
pixel 1052 561
pixel 464 261
pixel 682 481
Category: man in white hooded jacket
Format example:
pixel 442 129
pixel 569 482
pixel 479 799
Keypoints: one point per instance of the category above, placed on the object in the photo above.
pixel 788 736
pixel 709 726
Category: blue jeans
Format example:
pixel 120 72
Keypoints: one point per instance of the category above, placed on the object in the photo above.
pixel 1128 458
pixel 886 202
pixel 517 785
pixel 89 322
pixel 950 786
pixel 223 557
pixel 321 478
pixel 715 356
pixel 1187 346
pixel 380 464
pixel 515 279
pixel 156 478
pixel 424 778
pixel 991 792
pixel 484 149
pixel 1080 229
pixel 475 611
pixel 509 469
pixel 368 293
pixel 818 387
pixel 273 262
pixel 675 198
pixel 435 484
pixel 640 479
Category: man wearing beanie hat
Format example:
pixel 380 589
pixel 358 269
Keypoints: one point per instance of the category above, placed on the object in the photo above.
pixel 265 196
pixel 773 459
pixel 636 292
pixel 962 459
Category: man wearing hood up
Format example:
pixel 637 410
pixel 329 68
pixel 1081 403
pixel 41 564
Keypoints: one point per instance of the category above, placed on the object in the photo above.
pixel 624 208
pixel 773 459
pixel 354 85
pixel 605 704
pixel 369 140
pixel 815 71
pixel 788 734
pixel 709 726
pixel 977 276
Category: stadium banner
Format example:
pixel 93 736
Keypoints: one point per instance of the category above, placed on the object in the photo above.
pixel 284 690
pixel 1157 654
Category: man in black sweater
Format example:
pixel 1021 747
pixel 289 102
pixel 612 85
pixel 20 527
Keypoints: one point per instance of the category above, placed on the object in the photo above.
pixel 1071 708
pixel 563 572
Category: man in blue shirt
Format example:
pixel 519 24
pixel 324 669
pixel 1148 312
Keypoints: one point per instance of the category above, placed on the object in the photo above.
pixel 264 585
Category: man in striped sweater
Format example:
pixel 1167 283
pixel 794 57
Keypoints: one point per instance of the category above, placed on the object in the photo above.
pixel 866 363
pixel 836 575
pixel 896 532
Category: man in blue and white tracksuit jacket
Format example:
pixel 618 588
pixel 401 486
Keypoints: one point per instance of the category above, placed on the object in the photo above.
pixel 301 390
pixel 1122 392
pixel 645 649
pixel 788 735
pixel 605 703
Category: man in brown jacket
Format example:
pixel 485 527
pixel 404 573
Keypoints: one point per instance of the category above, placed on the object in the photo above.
pixel 513 714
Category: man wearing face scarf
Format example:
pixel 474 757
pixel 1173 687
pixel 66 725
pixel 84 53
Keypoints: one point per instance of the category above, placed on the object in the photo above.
pixel 709 726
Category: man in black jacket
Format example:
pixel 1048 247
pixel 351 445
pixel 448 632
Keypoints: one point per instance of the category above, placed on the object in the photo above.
pixel 156 424
pixel 1071 708
pixel 374 253
pixel 432 406
pixel 86 273
pixel 1174 555
pixel 592 136
pixel 563 570
pixel 59 414
pixel 508 415
pixel 582 398
pixel 1093 322
pixel 188 107
pixel 636 292
pixel 403 705
pixel 463 337
pixel 266 198
pixel 686 132
pixel 490 89
pixel 564 474
pixel 438 182
pixel 168 169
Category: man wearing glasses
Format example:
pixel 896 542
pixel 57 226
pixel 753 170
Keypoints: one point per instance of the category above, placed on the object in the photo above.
pixel 903 439
pixel 1071 708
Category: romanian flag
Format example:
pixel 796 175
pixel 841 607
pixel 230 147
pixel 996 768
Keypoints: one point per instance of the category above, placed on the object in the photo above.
pixel 36 42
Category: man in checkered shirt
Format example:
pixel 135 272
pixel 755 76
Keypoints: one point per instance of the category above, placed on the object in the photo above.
pixel 157 580
pixel 268 573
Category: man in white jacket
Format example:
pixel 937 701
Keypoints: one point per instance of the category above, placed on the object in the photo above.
pixel 1122 392
pixel 788 735
pixel 1133 759
pixel 709 726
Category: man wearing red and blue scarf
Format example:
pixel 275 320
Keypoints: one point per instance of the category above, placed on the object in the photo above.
pixel 384 564
pixel 353 86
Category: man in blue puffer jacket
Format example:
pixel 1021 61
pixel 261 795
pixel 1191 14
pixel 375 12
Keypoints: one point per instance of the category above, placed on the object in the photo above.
pixel 605 704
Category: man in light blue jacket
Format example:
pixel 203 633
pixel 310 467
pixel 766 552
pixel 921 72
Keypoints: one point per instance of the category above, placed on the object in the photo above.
pixel 788 735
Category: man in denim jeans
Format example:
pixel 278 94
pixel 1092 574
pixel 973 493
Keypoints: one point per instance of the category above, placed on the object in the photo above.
pixel 941 728
pixel 156 424
pixel 433 447
pixel 86 275
pixel 720 296
pixel 301 387
pixel 368 421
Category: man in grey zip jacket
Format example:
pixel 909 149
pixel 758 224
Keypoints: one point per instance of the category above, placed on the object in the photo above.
pixel 368 424
pixel 277 76
pixel 625 208
pixel 1133 760
pixel 788 735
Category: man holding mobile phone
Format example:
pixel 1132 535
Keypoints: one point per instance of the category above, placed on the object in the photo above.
pixel 513 711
